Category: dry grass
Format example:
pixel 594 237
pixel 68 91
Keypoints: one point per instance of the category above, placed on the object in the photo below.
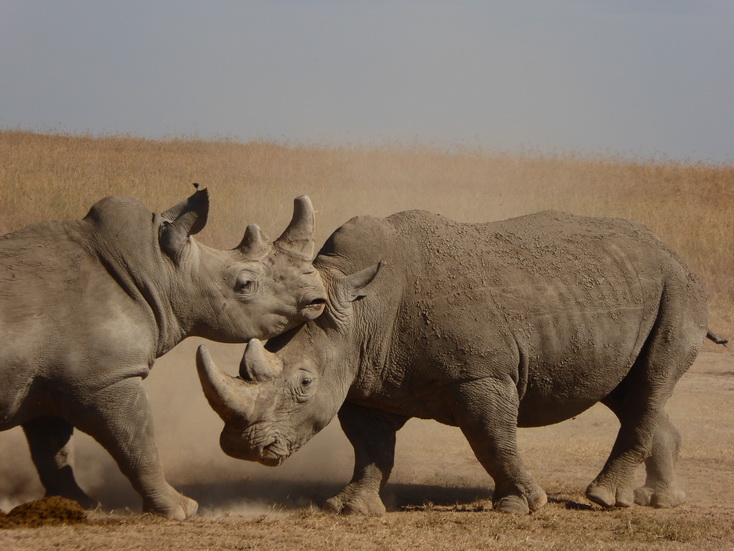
pixel 690 206
pixel 558 526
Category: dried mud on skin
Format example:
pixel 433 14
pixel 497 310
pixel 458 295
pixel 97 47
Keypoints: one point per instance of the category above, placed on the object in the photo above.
pixel 44 512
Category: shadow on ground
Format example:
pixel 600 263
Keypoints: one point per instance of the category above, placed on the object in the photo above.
pixel 291 495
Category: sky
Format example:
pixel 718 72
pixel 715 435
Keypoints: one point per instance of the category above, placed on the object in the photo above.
pixel 637 78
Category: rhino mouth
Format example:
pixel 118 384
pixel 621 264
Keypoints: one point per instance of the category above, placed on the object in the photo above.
pixel 312 307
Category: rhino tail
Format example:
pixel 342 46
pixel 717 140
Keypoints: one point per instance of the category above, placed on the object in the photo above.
pixel 717 340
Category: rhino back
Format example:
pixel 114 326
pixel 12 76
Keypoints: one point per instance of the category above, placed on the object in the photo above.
pixel 560 303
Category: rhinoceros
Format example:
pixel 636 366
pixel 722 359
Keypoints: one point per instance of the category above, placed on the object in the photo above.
pixel 488 327
pixel 87 305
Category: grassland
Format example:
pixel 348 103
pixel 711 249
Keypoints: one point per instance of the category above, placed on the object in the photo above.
pixel 688 205
pixel 438 494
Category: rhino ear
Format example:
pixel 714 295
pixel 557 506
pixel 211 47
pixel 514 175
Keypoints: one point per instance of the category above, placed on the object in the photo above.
pixel 353 287
pixel 183 220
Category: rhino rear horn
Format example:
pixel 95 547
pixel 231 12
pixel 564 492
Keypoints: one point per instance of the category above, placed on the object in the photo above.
pixel 258 364
pixel 230 397
pixel 298 237
pixel 182 220
pixel 255 243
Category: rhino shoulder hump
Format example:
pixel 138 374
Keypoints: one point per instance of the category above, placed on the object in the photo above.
pixel 113 207
pixel 353 235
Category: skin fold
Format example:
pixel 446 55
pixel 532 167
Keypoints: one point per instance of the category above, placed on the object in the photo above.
pixel 489 327
pixel 86 306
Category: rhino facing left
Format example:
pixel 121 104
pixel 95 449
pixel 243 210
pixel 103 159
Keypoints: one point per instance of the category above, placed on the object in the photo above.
pixel 86 306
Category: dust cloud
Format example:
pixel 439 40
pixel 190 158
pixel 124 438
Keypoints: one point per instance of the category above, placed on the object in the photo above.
pixel 187 432
pixel 433 463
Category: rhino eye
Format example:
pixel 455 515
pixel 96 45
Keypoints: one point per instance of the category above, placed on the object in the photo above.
pixel 306 387
pixel 246 285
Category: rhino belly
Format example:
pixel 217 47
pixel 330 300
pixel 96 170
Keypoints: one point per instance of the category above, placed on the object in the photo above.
pixel 575 350
pixel 565 381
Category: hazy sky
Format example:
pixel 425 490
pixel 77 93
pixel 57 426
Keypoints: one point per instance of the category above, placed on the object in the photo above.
pixel 636 77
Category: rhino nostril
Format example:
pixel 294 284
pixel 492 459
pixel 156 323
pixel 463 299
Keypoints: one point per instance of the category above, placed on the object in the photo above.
pixel 317 302
pixel 274 450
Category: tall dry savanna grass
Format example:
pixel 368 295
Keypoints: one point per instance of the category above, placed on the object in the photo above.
pixel 688 205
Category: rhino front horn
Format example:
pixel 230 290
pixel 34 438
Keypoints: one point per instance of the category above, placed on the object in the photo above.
pixel 229 396
pixel 255 244
pixel 298 237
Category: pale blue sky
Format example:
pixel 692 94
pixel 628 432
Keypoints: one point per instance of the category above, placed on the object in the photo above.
pixel 640 78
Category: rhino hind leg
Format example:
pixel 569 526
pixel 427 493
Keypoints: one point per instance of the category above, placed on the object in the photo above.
pixel 119 418
pixel 613 487
pixel 486 412
pixel 660 489
pixel 49 440
pixel 645 432
pixel 372 434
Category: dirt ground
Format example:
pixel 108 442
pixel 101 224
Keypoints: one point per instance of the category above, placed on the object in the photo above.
pixel 438 496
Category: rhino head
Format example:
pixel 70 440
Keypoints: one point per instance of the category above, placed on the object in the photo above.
pixel 258 289
pixel 288 391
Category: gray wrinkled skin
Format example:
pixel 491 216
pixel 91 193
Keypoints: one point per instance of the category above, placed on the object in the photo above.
pixel 487 327
pixel 87 305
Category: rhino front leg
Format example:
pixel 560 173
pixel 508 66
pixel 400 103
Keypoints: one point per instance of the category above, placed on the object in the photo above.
pixel 372 433
pixel 119 418
pixel 49 440
pixel 486 411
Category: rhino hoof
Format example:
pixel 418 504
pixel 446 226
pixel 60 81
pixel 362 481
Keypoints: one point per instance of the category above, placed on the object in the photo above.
pixel 659 499
pixel 601 495
pixel 643 495
pixel 187 508
pixel 333 505
pixel 605 497
pixel 366 506
pixel 515 505
pixel 182 509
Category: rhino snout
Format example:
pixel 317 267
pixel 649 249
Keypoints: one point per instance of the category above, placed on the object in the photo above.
pixel 268 451
pixel 234 446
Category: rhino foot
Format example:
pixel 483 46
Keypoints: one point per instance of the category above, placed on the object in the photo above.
pixel 609 497
pixel 178 508
pixel 515 505
pixel 351 503
pixel 521 504
pixel 660 499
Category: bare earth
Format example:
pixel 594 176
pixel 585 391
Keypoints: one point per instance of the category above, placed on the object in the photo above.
pixel 438 497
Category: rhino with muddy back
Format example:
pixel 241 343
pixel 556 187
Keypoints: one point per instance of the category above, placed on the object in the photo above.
pixel 87 305
pixel 488 327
